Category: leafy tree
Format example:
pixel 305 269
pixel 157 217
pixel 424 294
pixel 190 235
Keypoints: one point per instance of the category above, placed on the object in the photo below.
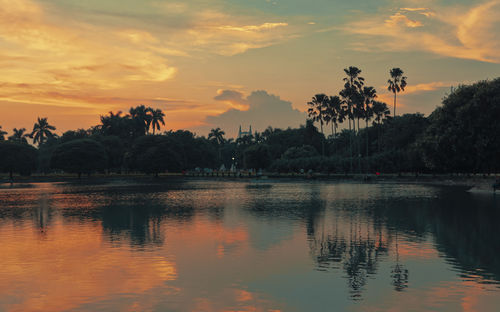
pixel 257 157
pixel 300 152
pixel 73 135
pixel 41 131
pixel 79 156
pixel 17 157
pixel 463 133
pixel 397 83
pixel 19 136
pixel 115 151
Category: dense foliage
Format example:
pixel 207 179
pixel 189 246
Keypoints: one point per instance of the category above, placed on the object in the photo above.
pixel 460 136
pixel 17 157
pixel 79 156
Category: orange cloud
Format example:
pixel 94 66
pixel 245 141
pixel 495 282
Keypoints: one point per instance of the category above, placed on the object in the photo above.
pixel 469 33
pixel 398 18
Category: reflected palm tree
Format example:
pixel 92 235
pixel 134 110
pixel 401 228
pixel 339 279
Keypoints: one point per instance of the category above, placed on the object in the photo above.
pixel 399 273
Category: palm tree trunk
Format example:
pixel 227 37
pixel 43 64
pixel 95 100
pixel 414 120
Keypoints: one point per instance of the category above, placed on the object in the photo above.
pixel 367 139
pixel 350 144
pixel 395 104
pixel 322 140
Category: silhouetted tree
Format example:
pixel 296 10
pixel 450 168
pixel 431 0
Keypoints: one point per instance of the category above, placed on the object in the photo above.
pixel 17 157
pixel 41 131
pixel 19 136
pixel 397 83
pixel 316 112
pixel 141 118
pixel 2 134
pixel 217 135
pixel 257 157
pixel 156 118
pixel 351 96
pixel 79 156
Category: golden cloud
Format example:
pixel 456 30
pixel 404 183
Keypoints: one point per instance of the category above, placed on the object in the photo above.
pixel 469 33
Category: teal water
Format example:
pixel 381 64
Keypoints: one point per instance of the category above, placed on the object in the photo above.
pixel 198 245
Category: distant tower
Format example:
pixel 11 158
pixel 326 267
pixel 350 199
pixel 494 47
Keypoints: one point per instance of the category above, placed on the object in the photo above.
pixel 244 133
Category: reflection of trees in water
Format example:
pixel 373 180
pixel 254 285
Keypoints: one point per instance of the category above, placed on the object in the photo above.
pixel 399 273
pixel 141 219
pixel 42 215
pixel 354 246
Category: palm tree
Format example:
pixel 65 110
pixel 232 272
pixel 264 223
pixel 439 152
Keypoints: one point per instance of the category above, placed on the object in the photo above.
pixel 351 95
pixel 334 113
pixel 41 131
pixel 352 88
pixel 142 118
pixel 380 111
pixel 156 117
pixel 369 95
pixel 217 135
pixel 2 134
pixel 316 109
pixel 19 136
pixel 316 112
pixel 397 83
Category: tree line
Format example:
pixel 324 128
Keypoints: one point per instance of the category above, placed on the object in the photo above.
pixel 461 135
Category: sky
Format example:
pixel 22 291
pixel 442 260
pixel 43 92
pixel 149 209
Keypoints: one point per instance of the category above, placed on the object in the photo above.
pixel 225 63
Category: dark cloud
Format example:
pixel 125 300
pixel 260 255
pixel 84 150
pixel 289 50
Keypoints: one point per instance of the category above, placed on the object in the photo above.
pixel 264 110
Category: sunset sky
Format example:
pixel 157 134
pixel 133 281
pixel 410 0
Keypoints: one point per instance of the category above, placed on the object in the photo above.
pixel 210 63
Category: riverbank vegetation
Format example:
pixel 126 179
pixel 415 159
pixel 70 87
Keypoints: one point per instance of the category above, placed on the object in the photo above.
pixel 460 136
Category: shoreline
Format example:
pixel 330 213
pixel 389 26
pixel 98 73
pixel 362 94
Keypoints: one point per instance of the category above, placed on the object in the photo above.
pixel 483 181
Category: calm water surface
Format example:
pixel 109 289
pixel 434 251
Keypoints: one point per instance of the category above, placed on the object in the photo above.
pixel 234 246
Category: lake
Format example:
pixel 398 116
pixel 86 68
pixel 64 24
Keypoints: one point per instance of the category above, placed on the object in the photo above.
pixel 215 245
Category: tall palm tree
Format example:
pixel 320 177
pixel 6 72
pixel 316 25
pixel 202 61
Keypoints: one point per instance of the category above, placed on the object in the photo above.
pixel 218 135
pixel 2 134
pixel 369 95
pixel 353 83
pixel 397 83
pixel 334 113
pixel 380 111
pixel 156 117
pixel 41 131
pixel 19 136
pixel 316 112
pixel 142 118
